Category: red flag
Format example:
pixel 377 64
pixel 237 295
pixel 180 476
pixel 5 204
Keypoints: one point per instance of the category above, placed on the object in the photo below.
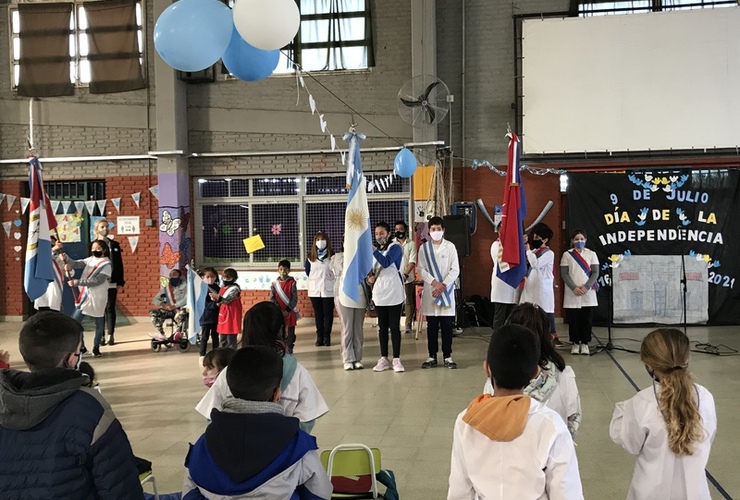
pixel 510 232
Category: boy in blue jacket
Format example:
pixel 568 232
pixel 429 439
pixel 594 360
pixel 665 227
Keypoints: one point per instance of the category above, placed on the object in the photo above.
pixel 251 449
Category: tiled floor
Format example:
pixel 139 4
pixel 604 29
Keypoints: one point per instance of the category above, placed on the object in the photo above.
pixel 410 415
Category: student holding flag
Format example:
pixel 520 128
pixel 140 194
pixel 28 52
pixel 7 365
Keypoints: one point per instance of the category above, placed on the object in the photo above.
pixel 579 267
pixel 439 267
pixel 52 299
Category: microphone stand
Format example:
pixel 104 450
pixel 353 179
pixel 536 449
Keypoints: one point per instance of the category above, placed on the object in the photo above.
pixel 684 287
pixel 609 286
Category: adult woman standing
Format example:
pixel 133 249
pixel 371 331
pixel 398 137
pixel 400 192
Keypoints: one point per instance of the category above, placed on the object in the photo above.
pixel 388 295
pixel 579 268
pixel 321 286
pixel 91 295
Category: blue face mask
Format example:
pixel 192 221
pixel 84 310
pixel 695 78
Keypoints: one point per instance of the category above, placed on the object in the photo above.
pixel 579 244
pixel 174 281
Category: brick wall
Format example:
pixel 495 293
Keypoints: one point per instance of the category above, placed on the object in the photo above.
pixel 13 301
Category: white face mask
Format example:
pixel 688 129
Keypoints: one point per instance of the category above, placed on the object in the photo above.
pixel 320 244
pixel 437 235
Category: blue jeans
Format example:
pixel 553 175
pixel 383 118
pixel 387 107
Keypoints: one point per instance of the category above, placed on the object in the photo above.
pixel 99 327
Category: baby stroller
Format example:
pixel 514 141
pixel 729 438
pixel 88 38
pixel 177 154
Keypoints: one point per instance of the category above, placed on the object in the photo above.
pixel 178 336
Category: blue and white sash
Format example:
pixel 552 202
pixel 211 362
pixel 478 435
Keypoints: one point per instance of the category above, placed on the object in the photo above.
pixel 445 299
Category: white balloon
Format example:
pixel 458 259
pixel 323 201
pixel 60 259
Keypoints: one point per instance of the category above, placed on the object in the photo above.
pixel 267 24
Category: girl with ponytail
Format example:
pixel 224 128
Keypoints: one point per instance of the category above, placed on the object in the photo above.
pixel 669 426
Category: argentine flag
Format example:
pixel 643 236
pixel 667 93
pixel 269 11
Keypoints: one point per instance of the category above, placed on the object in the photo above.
pixel 39 269
pixel 358 240
pixel 196 303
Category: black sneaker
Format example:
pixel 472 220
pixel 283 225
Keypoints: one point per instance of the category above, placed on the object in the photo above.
pixel 96 352
pixel 450 364
pixel 111 341
pixel 83 350
pixel 102 342
pixel 429 363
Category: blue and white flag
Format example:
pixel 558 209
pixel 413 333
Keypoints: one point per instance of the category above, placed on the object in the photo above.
pixel 196 302
pixel 358 239
pixel 39 269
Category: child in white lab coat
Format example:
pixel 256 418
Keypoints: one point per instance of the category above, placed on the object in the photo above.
pixel 509 445
pixel 669 426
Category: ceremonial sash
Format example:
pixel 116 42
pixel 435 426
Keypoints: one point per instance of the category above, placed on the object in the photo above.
pixel 584 265
pixel 84 291
pixel 284 298
pixel 58 273
pixel 170 294
pixel 537 253
pixel 444 300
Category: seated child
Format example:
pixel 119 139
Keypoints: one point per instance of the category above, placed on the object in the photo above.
pixel 251 447
pixel 214 363
pixel 509 445
pixel 284 294
pixel 170 300
pixel 670 426
pixel 555 385
pixel 209 318
pixel 264 325
pixel 229 304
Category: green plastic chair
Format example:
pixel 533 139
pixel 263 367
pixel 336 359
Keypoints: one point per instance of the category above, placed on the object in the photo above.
pixel 352 461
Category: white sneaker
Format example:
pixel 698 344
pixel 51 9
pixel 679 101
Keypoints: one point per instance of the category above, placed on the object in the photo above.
pixel 358 365
pixel 575 349
pixel 349 366
pixel 397 366
pixel 584 350
pixel 382 365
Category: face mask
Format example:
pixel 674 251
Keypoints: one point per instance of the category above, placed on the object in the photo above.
pixel 103 231
pixel 97 254
pixel 320 244
pixel 381 241
pixel 400 235
pixel 174 281
pixel 209 381
pixel 210 281
pixel 579 244
pixel 535 243
pixel 437 235
pixel 227 282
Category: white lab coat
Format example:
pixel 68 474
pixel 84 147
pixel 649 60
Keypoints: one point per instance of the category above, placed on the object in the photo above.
pixel 301 399
pixel 579 277
pixel 52 298
pixel 388 289
pixel 96 296
pixel 538 287
pixel 539 464
pixel 449 266
pixel 321 279
pixel 638 427
pixel 501 292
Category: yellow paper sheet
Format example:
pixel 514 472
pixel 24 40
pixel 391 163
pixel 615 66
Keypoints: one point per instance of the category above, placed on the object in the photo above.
pixel 253 244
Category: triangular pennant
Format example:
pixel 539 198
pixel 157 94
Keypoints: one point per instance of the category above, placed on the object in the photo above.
pixel 137 198
pixel 55 205
pixel 2 197
pixel 90 205
pixel 155 191
pixel 24 204
pixel 312 103
pixel 80 207
pixel 343 155
pixel 101 206
pixel 322 123
pixel 117 204
pixel 300 79
pixel 7 225
pixel 10 199
pixel 134 242
pixel 333 142
pixel 65 206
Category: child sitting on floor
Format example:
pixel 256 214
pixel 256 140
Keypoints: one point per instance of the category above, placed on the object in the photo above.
pixel 214 362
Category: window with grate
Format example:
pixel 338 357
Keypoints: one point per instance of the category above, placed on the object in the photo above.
pixel 79 44
pixel 286 212
pixel 75 190
pixel 588 8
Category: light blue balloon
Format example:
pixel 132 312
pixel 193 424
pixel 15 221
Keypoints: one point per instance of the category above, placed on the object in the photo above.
pixel 405 163
pixel 249 63
pixel 191 35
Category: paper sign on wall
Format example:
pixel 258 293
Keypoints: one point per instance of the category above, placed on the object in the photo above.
pixel 128 225
pixel 253 244
pixel 68 226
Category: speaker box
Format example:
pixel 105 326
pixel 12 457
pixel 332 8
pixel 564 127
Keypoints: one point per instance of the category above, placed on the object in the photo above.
pixel 457 230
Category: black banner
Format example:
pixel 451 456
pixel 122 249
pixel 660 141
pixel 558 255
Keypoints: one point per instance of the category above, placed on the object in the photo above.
pixel 682 212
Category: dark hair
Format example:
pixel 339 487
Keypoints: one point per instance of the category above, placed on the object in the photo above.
pixel 46 338
pixel 533 317
pixel 208 270
pixel 313 253
pixel 87 369
pixel 384 225
pixel 178 271
pixel 218 358
pixel 436 221
pixel 254 373
pixel 542 230
pixel 577 232
pixel 513 354
pixel 401 223
pixel 284 263
pixel 230 273
pixel 264 324
pixel 103 244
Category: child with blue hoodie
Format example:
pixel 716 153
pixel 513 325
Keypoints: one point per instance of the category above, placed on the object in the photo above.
pixel 251 449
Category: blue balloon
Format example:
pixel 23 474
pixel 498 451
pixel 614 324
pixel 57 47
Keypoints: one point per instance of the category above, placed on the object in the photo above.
pixel 191 35
pixel 405 163
pixel 249 63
